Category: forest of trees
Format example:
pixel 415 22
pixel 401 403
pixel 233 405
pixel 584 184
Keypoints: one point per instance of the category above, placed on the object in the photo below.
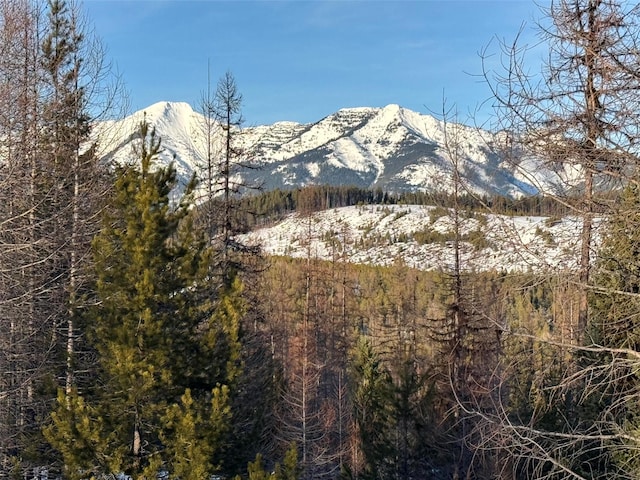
pixel 140 337
pixel 263 208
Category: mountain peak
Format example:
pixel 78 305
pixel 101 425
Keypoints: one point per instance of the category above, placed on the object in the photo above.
pixel 392 107
pixel 166 109
pixel 389 147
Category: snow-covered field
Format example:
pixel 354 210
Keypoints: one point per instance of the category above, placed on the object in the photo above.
pixel 384 234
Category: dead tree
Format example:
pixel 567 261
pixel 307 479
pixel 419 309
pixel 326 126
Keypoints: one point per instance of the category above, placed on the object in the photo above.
pixel 578 115
pixel 52 73
pixel 578 118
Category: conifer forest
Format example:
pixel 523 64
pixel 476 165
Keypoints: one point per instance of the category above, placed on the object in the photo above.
pixel 141 338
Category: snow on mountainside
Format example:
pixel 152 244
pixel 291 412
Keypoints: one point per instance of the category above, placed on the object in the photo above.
pixel 421 237
pixel 392 148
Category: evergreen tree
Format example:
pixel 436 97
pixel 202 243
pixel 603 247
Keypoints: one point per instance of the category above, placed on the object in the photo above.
pixel 618 276
pixel 247 369
pixel 288 470
pixel 612 371
pixel 372 398
pixel 256 470
pixel 232 331
pixel 190 439
pixel 415 428
pixel 151 411
pixel 141 291
pixel 77 432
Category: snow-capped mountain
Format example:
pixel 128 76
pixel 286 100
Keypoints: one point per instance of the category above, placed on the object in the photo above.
pixel 392 148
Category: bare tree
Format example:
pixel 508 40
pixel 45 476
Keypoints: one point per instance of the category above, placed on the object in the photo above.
pixel 207 107
pixel 469 335
pixel 20 274
pixel 578 116
pixel 52 71
pixel 226 183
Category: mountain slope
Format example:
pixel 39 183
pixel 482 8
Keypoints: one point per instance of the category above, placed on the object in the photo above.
pixel 392 148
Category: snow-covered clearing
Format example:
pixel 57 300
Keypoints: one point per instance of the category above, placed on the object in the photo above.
pixel 385 234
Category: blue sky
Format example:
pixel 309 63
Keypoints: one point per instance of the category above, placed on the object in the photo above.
pixel 302 60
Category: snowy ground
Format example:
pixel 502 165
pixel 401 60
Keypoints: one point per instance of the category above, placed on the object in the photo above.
pixel 384 234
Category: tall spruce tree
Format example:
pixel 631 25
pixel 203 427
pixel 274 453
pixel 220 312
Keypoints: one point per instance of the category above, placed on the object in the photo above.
pixel 372 396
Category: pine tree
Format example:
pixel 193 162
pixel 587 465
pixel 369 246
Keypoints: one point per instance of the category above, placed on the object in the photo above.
pixel 248 371
pixel 190 439
pixel 415 428
pixel 223 333
pixel 256 470
pixel 150 269
pixel 618 276
pixel 612 371
pixel 288 470
pixel 77 432
pixel 136 263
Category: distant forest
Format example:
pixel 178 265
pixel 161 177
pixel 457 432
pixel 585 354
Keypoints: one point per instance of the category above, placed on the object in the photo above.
pixel 268 207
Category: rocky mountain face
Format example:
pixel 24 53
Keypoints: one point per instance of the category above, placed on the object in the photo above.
pixel 391 148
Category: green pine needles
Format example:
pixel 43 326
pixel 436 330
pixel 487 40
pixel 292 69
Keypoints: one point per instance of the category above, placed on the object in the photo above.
pixel 167 351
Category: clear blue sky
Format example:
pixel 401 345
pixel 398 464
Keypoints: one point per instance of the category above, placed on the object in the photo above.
pixel 302 60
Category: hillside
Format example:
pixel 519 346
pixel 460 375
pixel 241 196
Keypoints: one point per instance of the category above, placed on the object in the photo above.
pixel 421 237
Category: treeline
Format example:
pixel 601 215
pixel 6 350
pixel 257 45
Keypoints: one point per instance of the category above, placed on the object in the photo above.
pixel 273 205
pixel 267 207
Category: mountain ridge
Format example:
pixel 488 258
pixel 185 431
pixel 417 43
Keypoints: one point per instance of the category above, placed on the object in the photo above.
pixel 389 147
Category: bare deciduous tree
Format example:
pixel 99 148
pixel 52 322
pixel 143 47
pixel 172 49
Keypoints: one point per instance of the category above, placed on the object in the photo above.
pixel 578 116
